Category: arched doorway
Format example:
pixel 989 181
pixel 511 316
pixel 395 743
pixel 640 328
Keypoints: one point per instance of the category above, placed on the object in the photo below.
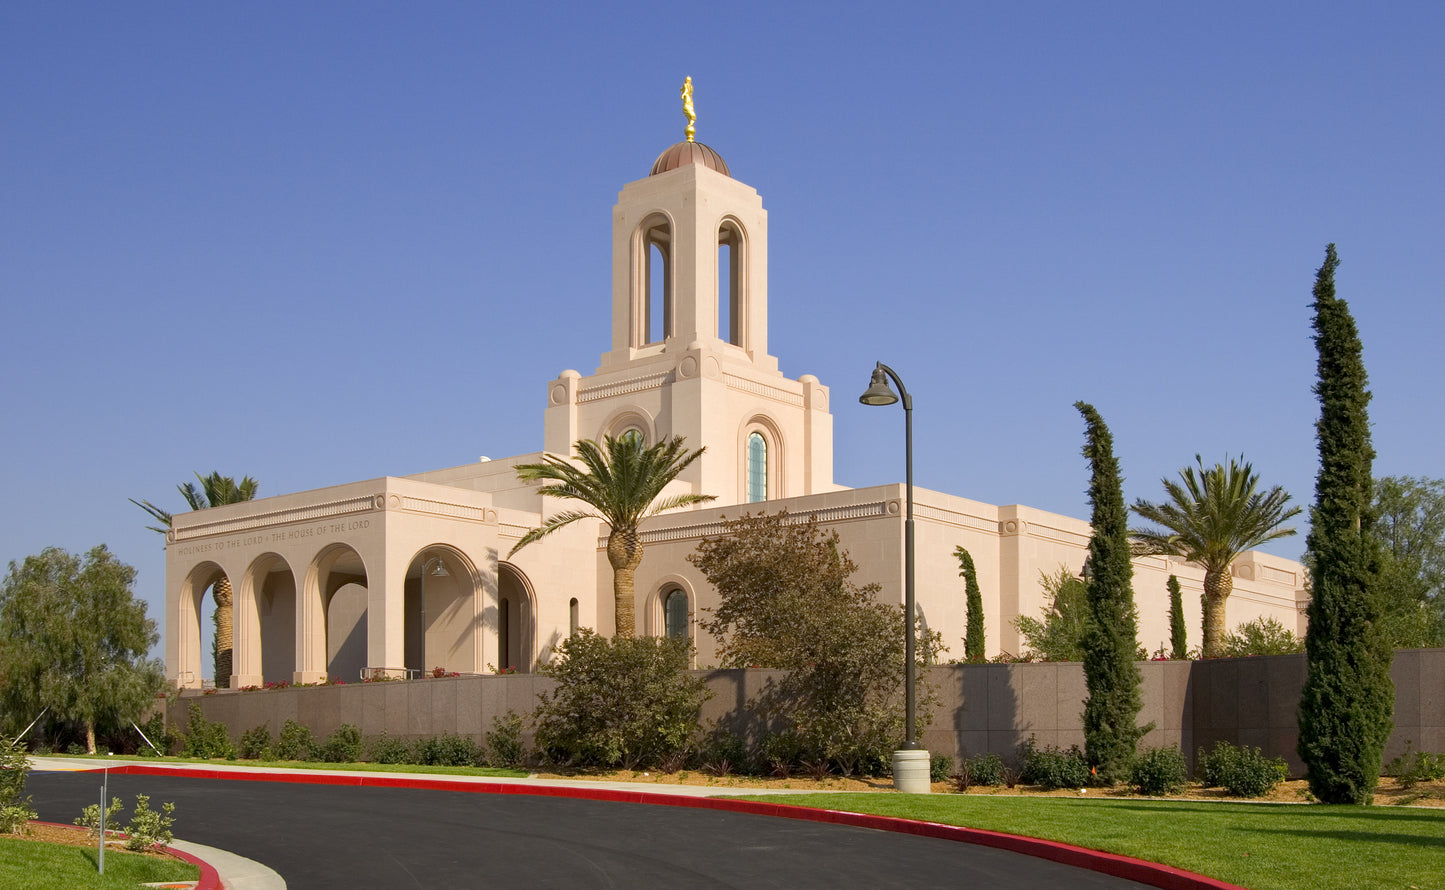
pixel 441 612
pixel 516 624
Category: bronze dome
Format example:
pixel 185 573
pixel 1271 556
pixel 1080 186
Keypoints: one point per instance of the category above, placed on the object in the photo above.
pixel 684 153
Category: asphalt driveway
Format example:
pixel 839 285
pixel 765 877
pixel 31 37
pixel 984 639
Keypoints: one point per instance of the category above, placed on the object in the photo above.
pixel 322 836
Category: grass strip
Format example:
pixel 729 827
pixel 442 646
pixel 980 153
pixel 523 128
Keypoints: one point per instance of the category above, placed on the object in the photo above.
pixel 312 765
pixel 33 865
pixel 1261 846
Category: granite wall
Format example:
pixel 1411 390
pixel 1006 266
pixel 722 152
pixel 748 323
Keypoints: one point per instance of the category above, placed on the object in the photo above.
pixel 980 708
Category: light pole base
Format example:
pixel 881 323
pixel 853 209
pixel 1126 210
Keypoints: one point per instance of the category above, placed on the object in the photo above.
pixel 910 771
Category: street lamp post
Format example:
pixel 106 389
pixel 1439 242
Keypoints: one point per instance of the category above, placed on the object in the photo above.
pixel 910 762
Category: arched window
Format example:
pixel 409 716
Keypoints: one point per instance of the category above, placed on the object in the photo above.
pixel 674 614
pixel 757 467
pixel 572 617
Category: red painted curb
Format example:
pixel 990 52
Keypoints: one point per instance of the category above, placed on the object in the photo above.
pixel 1151 873
pixel 210 879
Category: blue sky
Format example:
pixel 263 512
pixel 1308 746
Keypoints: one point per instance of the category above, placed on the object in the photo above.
pixel 324 242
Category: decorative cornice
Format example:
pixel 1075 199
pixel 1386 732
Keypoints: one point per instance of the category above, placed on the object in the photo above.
pixel 362 504
pixel 762 389
pixel 622 387
pixel 954 517
pixel 717 526
pixel 445 508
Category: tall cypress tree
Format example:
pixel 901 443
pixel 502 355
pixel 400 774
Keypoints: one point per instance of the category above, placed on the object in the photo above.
pixel 1111 644
pixel 973 614
pixel 1178 636
pixel 1345 709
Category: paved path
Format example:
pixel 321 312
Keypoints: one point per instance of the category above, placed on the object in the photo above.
pixel 319 836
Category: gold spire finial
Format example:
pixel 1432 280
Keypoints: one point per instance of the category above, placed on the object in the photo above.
pixel 688 110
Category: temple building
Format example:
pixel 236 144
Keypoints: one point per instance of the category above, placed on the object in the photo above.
pixel 396 575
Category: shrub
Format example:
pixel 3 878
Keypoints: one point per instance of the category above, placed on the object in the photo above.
pixel 1262 636
pixel 940 767
pixel 148 828
pixel 504 743
pixel 89 818
pixel 156 731
pixel 1051 767
pixel 782 752
pixel 207 739
pixel 1414 767
pixel 982 769
pixel 342 746
pixel 15 810
pixel 256 743
pixel 626 701
pixel 295 742
pixel 1159 771
pixel 447 750
pixel 389 750
pixel 1241 772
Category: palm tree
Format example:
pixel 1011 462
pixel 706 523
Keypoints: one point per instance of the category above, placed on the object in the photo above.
pixel 215 490
pixel 620 480
pixel 1215 515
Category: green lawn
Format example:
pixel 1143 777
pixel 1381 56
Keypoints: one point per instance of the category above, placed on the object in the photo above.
pixel 29 865
pixel 1260 846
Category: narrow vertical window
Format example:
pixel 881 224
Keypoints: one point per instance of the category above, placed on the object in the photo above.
pixel 674 609
pixel 504 634
pixel 572 617
pixel 757 468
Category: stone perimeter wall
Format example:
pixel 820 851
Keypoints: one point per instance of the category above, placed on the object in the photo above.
pixel 988 708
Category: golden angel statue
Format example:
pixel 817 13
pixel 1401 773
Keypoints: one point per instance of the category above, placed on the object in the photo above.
pixel 688 110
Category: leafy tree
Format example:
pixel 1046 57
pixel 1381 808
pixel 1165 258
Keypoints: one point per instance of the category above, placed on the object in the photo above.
pixel 1059 635
pixel 215 490
pixel 1262 636
pixel 76 640
pixel 1178 635
pixel 1215 515
pixel 621 480
pixel 787 601
pixel 1410 522
pixel 621 701
pixel 973 645
pixel 1345 708
pixel 1111 641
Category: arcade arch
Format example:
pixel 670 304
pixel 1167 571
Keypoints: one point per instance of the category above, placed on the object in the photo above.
pixel 334 616
pixel 192 630
pixel 442 591
pixel 266 621
pixel 516 620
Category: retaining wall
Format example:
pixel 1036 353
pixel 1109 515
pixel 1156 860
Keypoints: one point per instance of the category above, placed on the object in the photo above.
pixel 987 708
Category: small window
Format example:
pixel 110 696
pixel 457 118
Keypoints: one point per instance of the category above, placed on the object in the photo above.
pixel 572 617
pixel 674 610
pixel 757 468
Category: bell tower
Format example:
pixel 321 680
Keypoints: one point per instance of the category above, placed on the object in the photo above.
pixel 689 347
